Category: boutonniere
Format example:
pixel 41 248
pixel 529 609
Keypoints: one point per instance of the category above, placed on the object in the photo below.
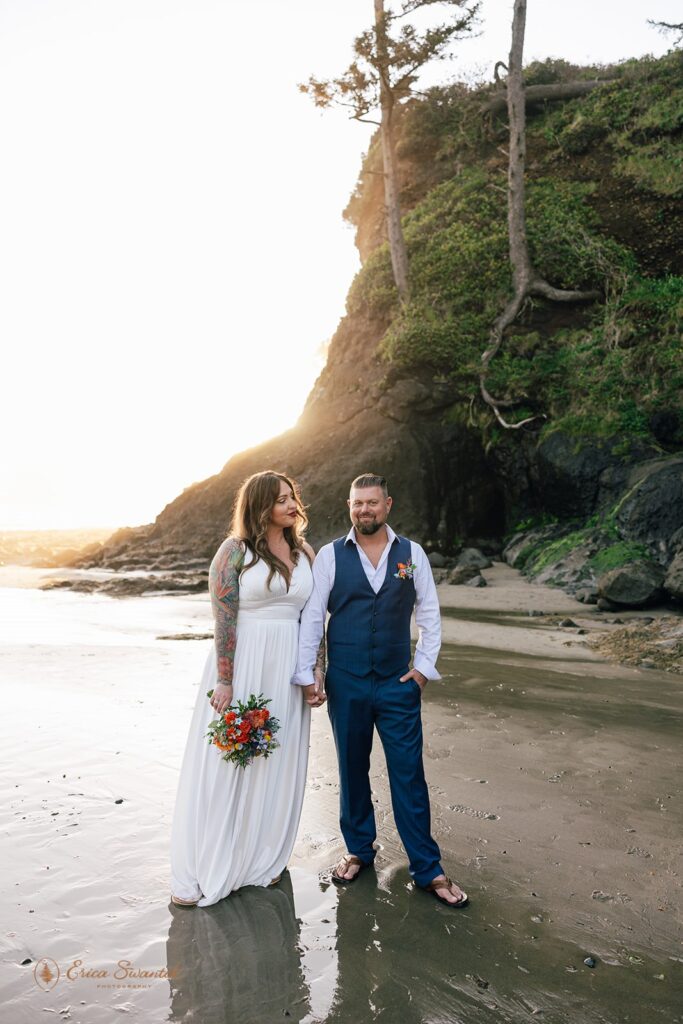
pixel 405 570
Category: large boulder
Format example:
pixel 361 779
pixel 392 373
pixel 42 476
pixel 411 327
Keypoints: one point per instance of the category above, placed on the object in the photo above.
pixel 632 586
pixel 652 511
pixel 516 551
pixel 567 478
pixel 473 558
pixel 673 581
pixel 462 574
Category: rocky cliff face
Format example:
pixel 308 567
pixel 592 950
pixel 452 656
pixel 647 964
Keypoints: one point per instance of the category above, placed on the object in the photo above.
pixel 354 421
pixel 399 392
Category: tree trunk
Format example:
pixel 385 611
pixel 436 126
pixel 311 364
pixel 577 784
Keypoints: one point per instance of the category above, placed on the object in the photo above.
pixel 397 245
pixel 539 93
pixel 519 248
pixel 525 280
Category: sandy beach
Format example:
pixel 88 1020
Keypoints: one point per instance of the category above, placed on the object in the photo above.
pixel 555 780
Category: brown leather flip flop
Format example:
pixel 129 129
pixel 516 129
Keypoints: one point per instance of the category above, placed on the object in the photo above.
pixel 440 884
pixel 347 860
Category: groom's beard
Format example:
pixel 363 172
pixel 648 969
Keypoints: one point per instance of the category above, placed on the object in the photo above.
pixel 367 526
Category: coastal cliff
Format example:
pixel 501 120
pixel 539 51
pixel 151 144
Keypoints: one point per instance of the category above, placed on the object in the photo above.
pixel 399 393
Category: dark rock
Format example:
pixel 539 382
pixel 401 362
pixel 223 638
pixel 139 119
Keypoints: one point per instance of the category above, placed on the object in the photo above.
pixel 571 568
pixel 490 546
pixel 587 595
pixel 645 621
pixel 535 614
pixel 83 586
pixel 652 511
pixel 665 425
pixel 606 606
pixel 673 581
pixel 477 581
pixel 568 476
pixel 566 623
pixel 517 548
pixel 648 663
pixel 590 961
pixel 479 982
pixel 676 540
pixel 632 586
pixel 437 560
pixel 119 800
pixel 473 557
pixel 121 585
pixel 617 622
pixel 462 574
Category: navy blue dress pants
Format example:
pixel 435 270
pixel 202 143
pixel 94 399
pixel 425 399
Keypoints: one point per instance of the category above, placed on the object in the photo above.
pixel 356 705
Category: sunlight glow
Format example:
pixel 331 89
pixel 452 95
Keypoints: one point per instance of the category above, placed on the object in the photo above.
pixel 172 253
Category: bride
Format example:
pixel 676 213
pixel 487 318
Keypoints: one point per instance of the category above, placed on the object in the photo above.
pixel 236 826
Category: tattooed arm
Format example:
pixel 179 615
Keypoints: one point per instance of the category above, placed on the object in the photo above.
pixel 314 693
pixel 321 660
pixel 224 592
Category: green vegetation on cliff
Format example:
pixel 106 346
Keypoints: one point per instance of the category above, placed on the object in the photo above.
pixel 605 184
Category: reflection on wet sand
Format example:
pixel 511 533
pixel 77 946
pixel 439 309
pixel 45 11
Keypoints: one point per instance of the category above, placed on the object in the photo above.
pixel 555 783
pixel 239 960
pixel 405 960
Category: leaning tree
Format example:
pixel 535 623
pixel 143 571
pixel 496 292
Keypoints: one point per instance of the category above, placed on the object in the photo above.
pixel 381 76
pixel 526 280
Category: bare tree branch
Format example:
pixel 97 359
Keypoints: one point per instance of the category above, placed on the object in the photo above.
pixel 666 26
pixel 541 287
pixel 498 64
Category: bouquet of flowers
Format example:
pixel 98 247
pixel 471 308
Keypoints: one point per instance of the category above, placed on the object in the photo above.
pixel 244 731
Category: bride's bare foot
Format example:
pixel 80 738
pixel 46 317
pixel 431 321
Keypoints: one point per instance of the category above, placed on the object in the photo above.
pixel 183 903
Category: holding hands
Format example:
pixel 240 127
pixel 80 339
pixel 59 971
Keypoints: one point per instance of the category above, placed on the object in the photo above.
pixel 314 693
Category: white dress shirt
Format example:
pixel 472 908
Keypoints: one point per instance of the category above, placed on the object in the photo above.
pixel 427 614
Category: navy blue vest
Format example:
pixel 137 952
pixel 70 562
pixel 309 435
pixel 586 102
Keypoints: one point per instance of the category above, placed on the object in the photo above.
pixel 369 633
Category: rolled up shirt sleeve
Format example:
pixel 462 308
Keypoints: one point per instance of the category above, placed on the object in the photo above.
pixel 313 617
pixel 427 616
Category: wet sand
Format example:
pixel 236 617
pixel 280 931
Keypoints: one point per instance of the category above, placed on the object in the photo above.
pixel 555 780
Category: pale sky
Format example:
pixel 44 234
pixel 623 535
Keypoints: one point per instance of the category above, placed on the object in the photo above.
pixel 172 254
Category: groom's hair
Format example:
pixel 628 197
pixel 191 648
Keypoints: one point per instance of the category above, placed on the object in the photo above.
pixel 370 480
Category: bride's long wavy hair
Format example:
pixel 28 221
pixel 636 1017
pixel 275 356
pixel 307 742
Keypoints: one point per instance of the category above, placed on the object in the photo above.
pixel 251 517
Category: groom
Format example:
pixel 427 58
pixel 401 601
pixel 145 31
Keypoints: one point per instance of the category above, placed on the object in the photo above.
pixel 370 581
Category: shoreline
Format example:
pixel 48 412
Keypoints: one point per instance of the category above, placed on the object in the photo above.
pixel 509 613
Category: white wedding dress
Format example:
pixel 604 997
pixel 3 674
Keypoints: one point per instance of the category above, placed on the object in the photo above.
pixel 233 826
